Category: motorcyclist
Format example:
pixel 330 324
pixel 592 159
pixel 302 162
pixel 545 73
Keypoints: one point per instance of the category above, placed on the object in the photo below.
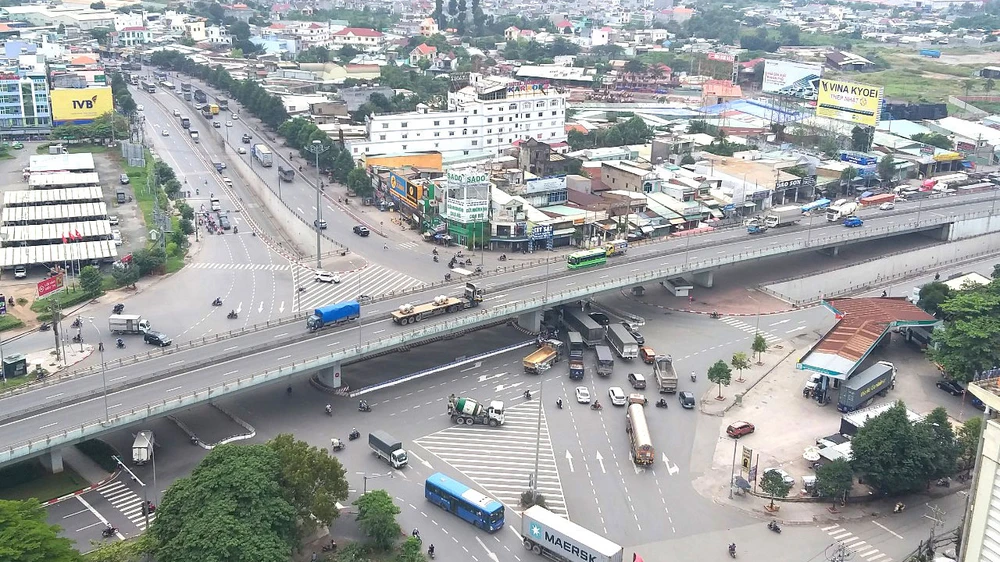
pixel 732 548
pixel 354 432
pixel 596 405
pixel 430 550
pixel 527 395
pixel 559 402
pixel 232 313
pixel 661 402
pixel 416 533
pixel 329 409
pixel 120 342
pixel 217 301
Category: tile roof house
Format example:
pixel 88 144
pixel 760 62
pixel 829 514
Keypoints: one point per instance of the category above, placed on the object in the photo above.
pixel 421 52
pixel 359 37
pixel 565 27
pixel 428 27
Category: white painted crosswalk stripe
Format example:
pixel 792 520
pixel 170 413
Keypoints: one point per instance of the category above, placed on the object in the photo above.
pixel 126 501
pixel 749 328
pixel 408 245
pixel 241 266
pixel 372 280
pixel 502 459
pixel 855 544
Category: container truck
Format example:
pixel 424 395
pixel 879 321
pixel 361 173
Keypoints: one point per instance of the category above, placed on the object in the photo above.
pixel 577 368
pixel 200 97
pixel 932 53
pixel 142 447
pixel 605 361
pixel 410 313
pixel 194 136
pixel 185 86
pixel 285 174
pixel 622 342
pixel 862 388
pixel 876 200
pixel 187 96
pixel 223 103
pixel 333 314
pixel 469 411
pixel 128 324
pixel 838 212
pixel 552 536
pixel 666 375
pixel 540 359
pixel 783 216
pixel 577 320
pixel 185 122
pixel 262 154
pixel 388 448
pixel 206 112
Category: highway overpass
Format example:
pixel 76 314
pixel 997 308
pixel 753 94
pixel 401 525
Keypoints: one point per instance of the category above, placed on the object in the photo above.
pixel 40 418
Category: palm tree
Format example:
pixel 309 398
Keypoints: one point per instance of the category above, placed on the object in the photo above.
pixel 969 85
pixel 988 86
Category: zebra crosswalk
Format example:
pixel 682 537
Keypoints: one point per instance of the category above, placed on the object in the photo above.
pixel 408 245
pixel 860 548
pixel 241 266
pixel 749 328
pixel 502 459
pixel 372 280
pixel 126 501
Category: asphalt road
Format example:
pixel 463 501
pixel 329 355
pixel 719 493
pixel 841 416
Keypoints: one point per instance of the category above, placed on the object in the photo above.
pixel 375 322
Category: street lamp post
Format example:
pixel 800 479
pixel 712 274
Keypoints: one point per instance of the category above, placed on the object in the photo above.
pixel 367 477
pixel 757 329
pixel 538 443
pixel 104 378
pixel 317 148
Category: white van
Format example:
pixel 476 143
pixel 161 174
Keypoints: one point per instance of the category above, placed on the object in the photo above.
pixel 216 205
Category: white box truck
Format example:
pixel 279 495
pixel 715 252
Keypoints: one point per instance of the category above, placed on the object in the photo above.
pixel 128 324
pixel 549 535
pixel 142 447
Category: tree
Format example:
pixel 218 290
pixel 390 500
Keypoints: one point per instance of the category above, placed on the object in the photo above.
pixel 739 362
pixel 462 19
pixel 125 276
pixel 26 536
pixel 359 182
pixel 312 481
pixel 887 453
pixel 342 166
pixel 774 485
pixel 938 441
pixel 932 296
pixel 759 346
pixel 478 19
pixel 859 139
pixel 347 53
pixel 968 343
pixel 886 167
pixel 452 8
pixel 410 551
pixel 99 5
pixel 834 480
pixel 720 374
pixel 377 518
pixel 100 34
pixel 996 271
pixel 968 442
pixel 934 139
pixel 438 14
pixel 232 507
pixel 989 85
pixel 149 260
pixel 90 280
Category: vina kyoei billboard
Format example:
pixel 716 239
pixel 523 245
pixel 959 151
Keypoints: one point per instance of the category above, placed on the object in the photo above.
pixel 848 101
pixel 78 106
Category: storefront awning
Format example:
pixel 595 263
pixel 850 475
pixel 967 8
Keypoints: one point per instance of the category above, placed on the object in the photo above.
pixel 646 229
pixel 677 221
pixel 564 232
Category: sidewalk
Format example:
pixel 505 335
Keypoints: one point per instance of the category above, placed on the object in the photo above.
pixel 84 465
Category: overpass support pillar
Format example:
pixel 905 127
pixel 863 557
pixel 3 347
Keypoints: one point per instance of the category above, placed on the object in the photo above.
pixel 52 461
pixel 704 279
pixel 331 376
pixel 531 321
pixel 832 251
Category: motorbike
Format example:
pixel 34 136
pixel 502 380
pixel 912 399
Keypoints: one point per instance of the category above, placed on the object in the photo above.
pixel 45 327
pixel 503 257
pixel 596 406
pixel 468 261
pixel 479 269
pixel 336 445
pixel 109 531
pixel 436 259
pixel 661 403
pixel 773 525
pixel 330 547
pixel 559 403
pixel 76 323
pixel 236 230
pixel 217 302
pixel 430 552
pixel 329 410
pixel 77 338
pixel 354 435
pixel 899 507
pixel 694 377
pixel 447 277
pixel 232 315
pixel 120 344
pixel 364 408
pixel 944 482
pixel 715 315
pixel 119 308
pixel 527 395
pixel 732 551
pixel 459 255
pixel 435 251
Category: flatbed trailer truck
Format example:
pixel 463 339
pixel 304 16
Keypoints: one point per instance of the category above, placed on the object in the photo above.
pixel 410 313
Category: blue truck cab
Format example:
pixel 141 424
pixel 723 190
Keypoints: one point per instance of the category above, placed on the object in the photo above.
pixel 851 222
pixel 333 314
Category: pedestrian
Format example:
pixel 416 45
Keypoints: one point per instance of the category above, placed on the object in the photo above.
pixel 690 298
pixel 314 557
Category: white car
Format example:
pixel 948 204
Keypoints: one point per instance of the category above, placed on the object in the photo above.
pixel 140 107
pixel 582 395
pixel 327 277
pixel 785 477
pixel 617 396
pixel 177 113
pixel 241 150
pixel 229 123
pixel 236 117
pixel 165 133
pixel 887 206
pixel 116 235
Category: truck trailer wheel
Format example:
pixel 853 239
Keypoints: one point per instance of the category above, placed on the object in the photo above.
pixel 494 423
pixel 470 421
pixel 527 544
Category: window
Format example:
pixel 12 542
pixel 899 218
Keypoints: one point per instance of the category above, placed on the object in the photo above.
pixel 489 141
pixel 552 135
pixel 490 119
pixel 554 103
pixel 489 131
pixel 436 144
pixel 355 150
pixel 475 131
pixel 465 152
pixel 451 121
pixel 539 113
pixel 475 142
pixel 475 112
pixel 540 104
pixel 437 133
pixel 403 124
pixel 465 120
pixel 406 136
pixel 465 131
pixel 436 123
pixel 381 137
pixel 451 133
pixel 553 123
pixel 404 147
pixel 385 125
pixel 553 113
pixel 501 119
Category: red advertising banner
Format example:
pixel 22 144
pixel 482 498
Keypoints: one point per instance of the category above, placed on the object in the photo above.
pixel 50 285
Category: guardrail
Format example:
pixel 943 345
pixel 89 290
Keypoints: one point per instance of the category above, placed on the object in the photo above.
pixel 512 309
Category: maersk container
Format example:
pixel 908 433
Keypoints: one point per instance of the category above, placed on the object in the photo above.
pixel 550 535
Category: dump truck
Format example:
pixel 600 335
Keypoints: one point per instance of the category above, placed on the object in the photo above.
pixel 605 361
pixel 185 86
pixel 783 216
pixel 666 376
pixel 200 97
pixel 185 122
pixel 541 359
pixel 333 314
pixel 285 174
pixel 622 342
pixel 128 324
pixel 468 411
pixel 862 388
pixel 838 212
pixel 410 313
pixel 388 448
pixel 142 447
pixel 552 536
pixel 262 154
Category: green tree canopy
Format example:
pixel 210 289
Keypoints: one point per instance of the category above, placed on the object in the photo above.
pixel 834 480
pixel 312 480
pixel 774 485
pixel 970 340
pixel 377 518
pixel 720 374
pixel 968 442
pixel 26 536
pixel 90 280
pixel 359 183
pixel 935 139
pixel 231 508
pixel 932 296
pixel 759 346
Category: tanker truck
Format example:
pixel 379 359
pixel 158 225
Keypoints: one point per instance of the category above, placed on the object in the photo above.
pixel 469 412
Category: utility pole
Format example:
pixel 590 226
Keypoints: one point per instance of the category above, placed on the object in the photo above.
pixel 317 148
pixel 937 516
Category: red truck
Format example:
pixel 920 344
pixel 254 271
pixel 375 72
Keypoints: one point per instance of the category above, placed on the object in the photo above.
pixel 876 200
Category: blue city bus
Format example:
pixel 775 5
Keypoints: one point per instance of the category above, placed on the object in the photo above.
pixel 818 204
pixel 587 258
pixel 464 502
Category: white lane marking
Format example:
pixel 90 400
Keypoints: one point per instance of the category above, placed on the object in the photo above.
pixel 886 529
pixel 169 390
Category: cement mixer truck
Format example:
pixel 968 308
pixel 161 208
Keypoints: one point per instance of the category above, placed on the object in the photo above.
pixel 467 411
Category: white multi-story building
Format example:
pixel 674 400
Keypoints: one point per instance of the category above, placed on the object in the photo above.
pixel 132 19
pixel 486 117
pixel 130 37
pixel 218 35
pixel 359 38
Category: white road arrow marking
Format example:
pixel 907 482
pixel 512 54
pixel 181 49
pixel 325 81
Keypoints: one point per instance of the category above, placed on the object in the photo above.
pixel 484 378
pixel 260 308
pixel 474 366
pixel 672 469
pixel 569 459
pixel 600 460
pixel 638 469
pixel 239 308
pixel 505 387
pixel 422 461
pixel 780 322
pixel 282 307
pixel 489 552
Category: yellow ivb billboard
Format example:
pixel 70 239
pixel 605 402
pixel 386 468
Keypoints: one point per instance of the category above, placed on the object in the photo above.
pixel 80 105
pixel 848 101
